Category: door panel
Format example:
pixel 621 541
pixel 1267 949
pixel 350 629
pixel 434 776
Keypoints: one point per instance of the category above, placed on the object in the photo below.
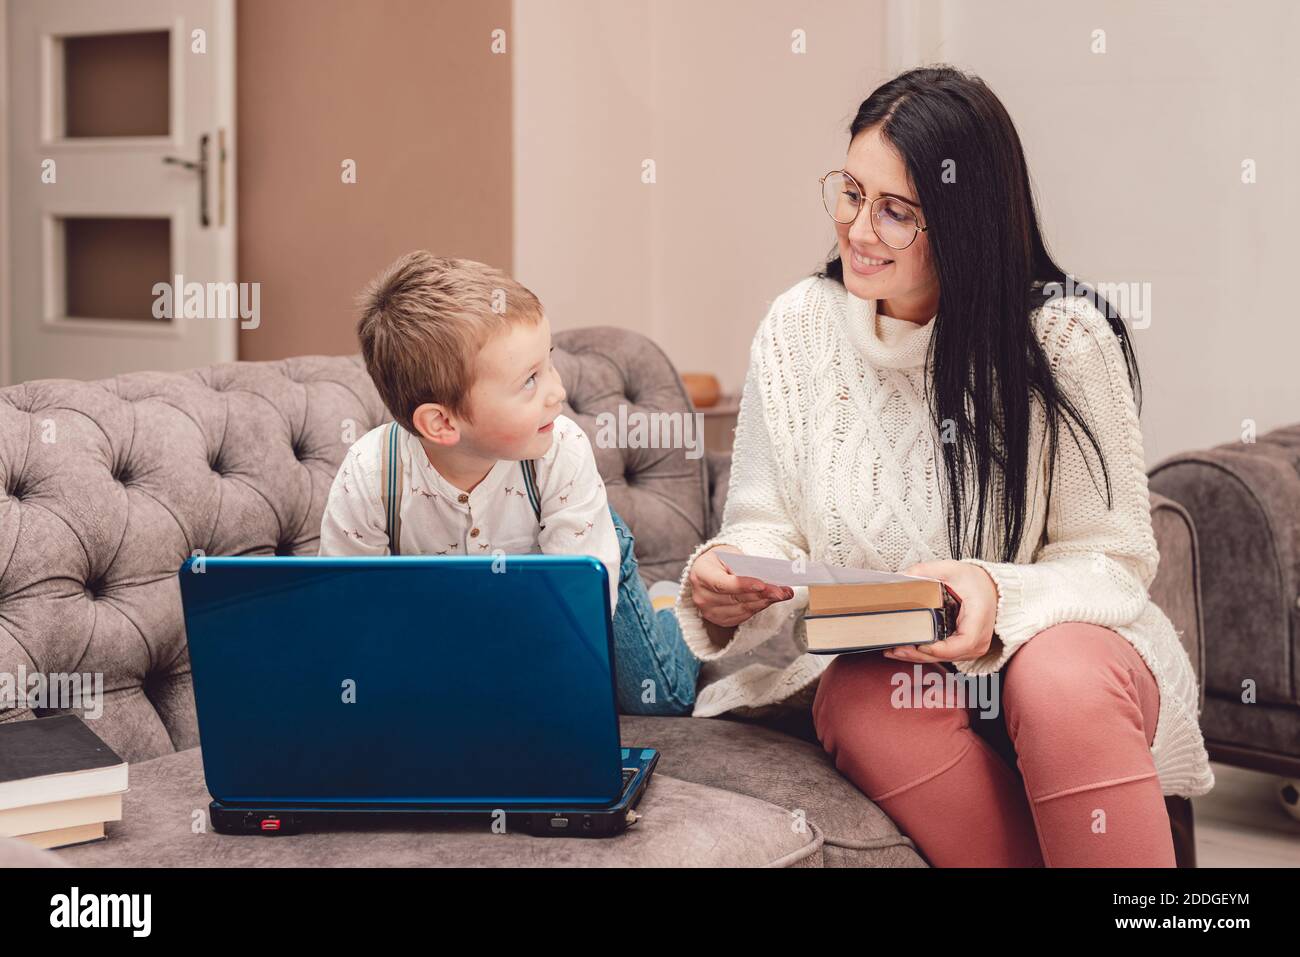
pixel 113 110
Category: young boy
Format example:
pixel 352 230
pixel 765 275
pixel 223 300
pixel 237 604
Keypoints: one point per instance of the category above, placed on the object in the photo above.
pixel 460 355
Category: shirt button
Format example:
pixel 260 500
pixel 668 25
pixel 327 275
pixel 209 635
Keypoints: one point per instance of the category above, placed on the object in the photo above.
pixel 462 499
pixel 473 533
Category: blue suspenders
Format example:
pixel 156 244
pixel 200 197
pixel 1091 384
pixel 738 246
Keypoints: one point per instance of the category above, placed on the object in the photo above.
pixel 391 488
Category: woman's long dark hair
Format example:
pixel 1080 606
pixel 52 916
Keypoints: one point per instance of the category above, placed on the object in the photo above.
pixel 993 270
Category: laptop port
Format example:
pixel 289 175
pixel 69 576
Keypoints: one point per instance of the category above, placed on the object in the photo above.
pixel 559 823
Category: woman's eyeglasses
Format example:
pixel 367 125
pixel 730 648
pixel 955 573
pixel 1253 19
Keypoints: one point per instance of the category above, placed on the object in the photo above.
pixel 894 221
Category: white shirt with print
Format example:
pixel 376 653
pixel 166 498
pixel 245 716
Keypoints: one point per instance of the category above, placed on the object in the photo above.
pixel 440 519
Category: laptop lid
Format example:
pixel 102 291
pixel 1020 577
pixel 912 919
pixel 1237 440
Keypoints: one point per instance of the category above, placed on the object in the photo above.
pixel 404 682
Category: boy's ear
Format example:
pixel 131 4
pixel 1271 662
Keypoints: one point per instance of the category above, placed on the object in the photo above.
pixel 434 423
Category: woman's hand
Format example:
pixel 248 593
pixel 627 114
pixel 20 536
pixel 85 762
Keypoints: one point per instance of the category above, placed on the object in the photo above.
pixel 728 600
pixel 979 605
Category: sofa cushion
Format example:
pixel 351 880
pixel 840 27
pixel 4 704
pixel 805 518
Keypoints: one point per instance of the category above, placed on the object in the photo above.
pixel 662 493
pixel 683 824
pixel 778 769
pixel 1176 589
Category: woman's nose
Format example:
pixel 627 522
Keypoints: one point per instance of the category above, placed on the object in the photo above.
pixel 862 230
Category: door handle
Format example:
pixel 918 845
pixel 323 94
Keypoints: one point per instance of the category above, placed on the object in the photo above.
pixel 199 166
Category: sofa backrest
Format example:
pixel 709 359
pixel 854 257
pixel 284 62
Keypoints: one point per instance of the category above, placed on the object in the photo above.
pixel 107 487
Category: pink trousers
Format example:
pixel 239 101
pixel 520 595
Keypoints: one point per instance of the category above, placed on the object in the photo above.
pixel 1062 776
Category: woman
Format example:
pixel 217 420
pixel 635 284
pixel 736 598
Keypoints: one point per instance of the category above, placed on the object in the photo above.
pixel 924 370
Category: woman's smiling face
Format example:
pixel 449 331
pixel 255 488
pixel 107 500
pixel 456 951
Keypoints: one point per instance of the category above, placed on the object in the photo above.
pixel 907 287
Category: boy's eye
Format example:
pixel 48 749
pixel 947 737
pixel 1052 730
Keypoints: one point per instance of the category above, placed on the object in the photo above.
pixel 534 375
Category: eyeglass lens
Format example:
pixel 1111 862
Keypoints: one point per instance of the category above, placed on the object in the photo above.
pixel 894 221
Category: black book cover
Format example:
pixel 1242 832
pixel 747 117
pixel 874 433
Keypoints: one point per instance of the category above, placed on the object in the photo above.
pixel 54 745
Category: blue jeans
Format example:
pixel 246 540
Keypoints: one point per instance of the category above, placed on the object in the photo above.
pixel 654 671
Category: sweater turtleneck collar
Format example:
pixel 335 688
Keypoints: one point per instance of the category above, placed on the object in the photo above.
pixel 883 341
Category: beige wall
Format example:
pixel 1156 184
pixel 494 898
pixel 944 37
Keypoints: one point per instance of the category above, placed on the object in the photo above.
pixel 692 261
pixel 412 93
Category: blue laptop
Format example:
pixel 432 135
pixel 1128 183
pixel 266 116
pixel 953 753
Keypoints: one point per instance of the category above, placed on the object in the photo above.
pixel 460 685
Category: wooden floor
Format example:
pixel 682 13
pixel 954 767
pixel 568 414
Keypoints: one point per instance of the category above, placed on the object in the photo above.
pixel 1241 823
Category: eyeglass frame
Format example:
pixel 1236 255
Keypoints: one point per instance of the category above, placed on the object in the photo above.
pixel 862 192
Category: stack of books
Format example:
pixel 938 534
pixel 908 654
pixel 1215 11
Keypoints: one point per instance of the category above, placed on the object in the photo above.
pixel 59 783
pixel 855 609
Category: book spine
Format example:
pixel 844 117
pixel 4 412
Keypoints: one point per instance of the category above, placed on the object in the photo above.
pixel 936 620
pixel 937 623
pixel 863 614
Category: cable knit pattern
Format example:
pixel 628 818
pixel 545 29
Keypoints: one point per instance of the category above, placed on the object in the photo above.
pixel 836 459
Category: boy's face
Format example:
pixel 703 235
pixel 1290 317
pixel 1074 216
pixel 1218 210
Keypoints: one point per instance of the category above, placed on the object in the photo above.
pixel 515 398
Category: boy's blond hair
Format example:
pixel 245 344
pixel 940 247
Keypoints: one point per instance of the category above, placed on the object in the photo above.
pixel 423 322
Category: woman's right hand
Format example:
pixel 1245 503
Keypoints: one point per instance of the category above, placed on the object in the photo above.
pixel 728 600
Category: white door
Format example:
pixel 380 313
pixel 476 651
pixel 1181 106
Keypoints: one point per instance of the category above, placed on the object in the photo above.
pixel 120 180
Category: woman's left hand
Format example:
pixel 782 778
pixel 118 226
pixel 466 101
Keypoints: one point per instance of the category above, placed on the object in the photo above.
pixel 979 604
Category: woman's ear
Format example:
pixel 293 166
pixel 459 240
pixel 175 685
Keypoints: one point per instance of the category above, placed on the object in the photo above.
pixel 435 424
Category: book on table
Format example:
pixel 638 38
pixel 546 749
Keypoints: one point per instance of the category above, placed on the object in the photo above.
pixel 59 783
pixel 856 609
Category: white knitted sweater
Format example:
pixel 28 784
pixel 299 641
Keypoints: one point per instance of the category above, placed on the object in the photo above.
pixel 836 459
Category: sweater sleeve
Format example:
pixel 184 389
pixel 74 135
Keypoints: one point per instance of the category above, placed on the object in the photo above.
pixel 1097 562
pixel 756 519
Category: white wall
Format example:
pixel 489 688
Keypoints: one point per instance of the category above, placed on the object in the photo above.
pixel 1136 156
pixel 693 261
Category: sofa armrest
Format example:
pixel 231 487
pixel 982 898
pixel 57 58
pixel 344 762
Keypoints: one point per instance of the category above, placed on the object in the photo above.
pixel 1176 589
pixel 1242 497
pixel 719 479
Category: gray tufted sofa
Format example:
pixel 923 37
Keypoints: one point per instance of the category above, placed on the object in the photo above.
pixel 107 487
